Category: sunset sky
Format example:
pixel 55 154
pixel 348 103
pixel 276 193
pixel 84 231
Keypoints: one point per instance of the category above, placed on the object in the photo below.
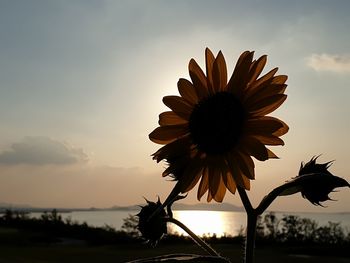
pixel 81 87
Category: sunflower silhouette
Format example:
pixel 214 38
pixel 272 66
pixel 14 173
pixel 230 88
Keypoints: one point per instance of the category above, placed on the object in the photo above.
pixel 216 126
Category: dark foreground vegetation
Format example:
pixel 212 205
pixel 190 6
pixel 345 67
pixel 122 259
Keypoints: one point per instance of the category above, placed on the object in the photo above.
pixel 52 239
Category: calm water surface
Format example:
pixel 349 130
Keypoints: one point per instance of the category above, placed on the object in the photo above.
pixel 200 222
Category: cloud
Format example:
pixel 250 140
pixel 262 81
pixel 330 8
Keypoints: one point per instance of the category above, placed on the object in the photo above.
pixel 42 151
pixel 328 62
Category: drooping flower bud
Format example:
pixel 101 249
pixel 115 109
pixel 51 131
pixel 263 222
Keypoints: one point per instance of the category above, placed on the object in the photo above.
pixel 323 183
pixel 152 225
pixel 315 182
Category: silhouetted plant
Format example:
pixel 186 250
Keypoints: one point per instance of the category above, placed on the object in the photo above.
pixel 267 226
pixel 130 226
pixel 330 234
pixel 295 230
pixel 8 215
pixel 213 130
pixel 53 228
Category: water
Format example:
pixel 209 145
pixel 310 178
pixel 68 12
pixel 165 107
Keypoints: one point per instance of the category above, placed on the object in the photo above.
pixel 200 222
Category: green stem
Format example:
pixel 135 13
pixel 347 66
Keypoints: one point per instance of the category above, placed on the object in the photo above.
pixel 198 240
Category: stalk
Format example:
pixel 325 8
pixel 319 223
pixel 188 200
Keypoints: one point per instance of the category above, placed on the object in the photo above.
pixel 198 240
pixel 250 239
pixel 252 218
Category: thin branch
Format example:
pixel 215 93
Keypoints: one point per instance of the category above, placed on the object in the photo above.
pixel 198 240
pixel 172 196
pixel 245 200
pixel 268 199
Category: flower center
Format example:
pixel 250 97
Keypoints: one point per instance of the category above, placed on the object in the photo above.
pixel 216 123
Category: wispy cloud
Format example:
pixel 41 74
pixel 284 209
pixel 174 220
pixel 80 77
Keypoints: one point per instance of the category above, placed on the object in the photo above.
pixel 327 62
pixel 42 151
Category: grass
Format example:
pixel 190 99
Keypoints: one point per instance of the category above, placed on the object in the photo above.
pixel 50 239
pixel 18 246
pixel 123 253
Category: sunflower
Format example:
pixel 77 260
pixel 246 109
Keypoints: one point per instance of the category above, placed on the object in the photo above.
pixel 216 126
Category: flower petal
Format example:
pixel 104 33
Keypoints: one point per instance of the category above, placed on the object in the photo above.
pixel 256 68
pixel 173 150
pixel 219 73
pixel 214 180
pixel 203 185
pixel 168 171
pixel 190 182
pixel 264 125
pixel 209 197
pixel 246 165
pixel 187 91
pixel 166 134
pixel 198 79
pixel 269 139
pixel 271 154
pixel 246 182
pixel 192 174
pixel 236 172
pixel 179 106
pixel 220 194
pixel 264 78
pixel 280 79
pixel 267 105
pixel 230 182
pixel 265 90
pixel 170 118
pixel 209 61
pixel 239 79
pixel 283 130
pixel 270 86
pixel 254 147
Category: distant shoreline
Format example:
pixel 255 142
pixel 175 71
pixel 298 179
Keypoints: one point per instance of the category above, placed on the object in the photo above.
pixel 176 207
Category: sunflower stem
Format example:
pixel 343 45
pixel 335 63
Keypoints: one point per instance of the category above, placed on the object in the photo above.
pixel 250 238
pixel 198 240
pixel 172 196
pixel 268 199
pixel 245 200
pixel 252 217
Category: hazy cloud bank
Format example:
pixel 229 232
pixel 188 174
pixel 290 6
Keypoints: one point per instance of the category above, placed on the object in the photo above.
pixel 80 185
pixel 42 151
pixel 328 62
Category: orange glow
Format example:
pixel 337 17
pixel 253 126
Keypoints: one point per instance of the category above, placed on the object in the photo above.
pixel 209 222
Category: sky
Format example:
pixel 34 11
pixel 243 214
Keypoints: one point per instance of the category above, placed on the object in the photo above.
pixel 81 87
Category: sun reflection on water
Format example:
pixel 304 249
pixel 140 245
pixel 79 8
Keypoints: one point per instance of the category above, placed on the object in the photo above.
pixel 208 222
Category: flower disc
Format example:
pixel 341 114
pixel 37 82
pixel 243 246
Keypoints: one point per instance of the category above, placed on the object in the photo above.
pixel 216 123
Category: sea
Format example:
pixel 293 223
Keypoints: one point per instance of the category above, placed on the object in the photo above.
pixel 200 222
